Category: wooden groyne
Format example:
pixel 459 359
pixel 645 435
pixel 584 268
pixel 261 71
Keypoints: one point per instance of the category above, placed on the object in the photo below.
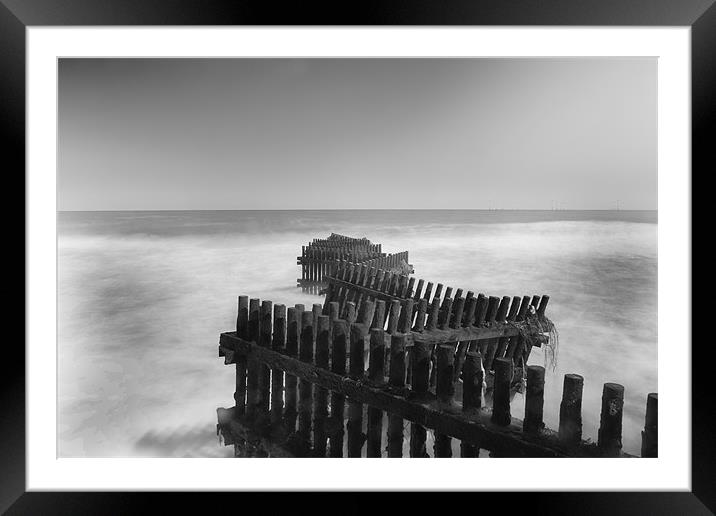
pixel 354 282
pixel 342 378
pixel 322 257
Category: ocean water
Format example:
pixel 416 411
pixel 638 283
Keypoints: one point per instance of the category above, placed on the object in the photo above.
pixel 143 297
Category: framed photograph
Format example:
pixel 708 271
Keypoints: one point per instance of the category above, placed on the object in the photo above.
pixel 254 241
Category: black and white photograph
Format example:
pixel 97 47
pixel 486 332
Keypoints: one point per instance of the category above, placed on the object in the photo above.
pixel 357 257
pixel 259 237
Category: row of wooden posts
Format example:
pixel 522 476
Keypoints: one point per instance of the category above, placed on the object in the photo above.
pixel 345 242
pixel 297 369
pixel 322 257
pixel 316 264
pixel 457 316
pixel 388 262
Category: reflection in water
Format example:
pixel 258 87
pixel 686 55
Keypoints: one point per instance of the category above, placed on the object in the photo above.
pixel 143 297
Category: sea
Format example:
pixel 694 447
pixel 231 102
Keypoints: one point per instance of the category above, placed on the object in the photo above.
pixel 144 295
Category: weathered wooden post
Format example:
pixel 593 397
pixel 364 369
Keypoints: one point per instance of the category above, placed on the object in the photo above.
pixel 455 321
pixel 378 281
pixel 526 346
pixel 493 343
pixel 405 323
pixel 376 373
pixel 379 317
pixel 393 316
pixel 610 425
pixel 396 379
pixel 650 435
pixel 514 348
pixel 305 388
pixel 303 268
pixel 493 304
pixel 333 311
pixel 420 316
pixel 444 315
pixel 432 324
pixel 418 292
pixel 350 312
pixel 242 327
pixel 293 331
pixel 480 314
pixel 543 305
pixel 457 312
pixel 472 383
pixel 278 344
pixel 347 275
pixel 366 312
pixel 534 400
pixel 501 397
pixel 320 395
pixel 471 396
pixel 445 390
pixel 511 316
pixel 317 310
pixel 356 295
pixel 409 290
pixel 265 371
pixel 466 321
pixel 428 292
pixel 355 408
pixel 570 410
pixel 419 387
pixel 338 365
pixel 253 365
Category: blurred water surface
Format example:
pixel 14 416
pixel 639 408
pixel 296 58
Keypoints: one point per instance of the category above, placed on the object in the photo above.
pixel 143 296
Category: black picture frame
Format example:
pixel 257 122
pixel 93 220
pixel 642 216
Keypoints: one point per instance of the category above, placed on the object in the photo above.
pixel 17 15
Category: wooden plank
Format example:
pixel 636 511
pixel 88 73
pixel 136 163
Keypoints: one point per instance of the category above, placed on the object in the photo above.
pixel 466 333
pixel 433 337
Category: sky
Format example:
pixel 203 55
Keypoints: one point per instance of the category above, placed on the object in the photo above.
pixel 252 134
